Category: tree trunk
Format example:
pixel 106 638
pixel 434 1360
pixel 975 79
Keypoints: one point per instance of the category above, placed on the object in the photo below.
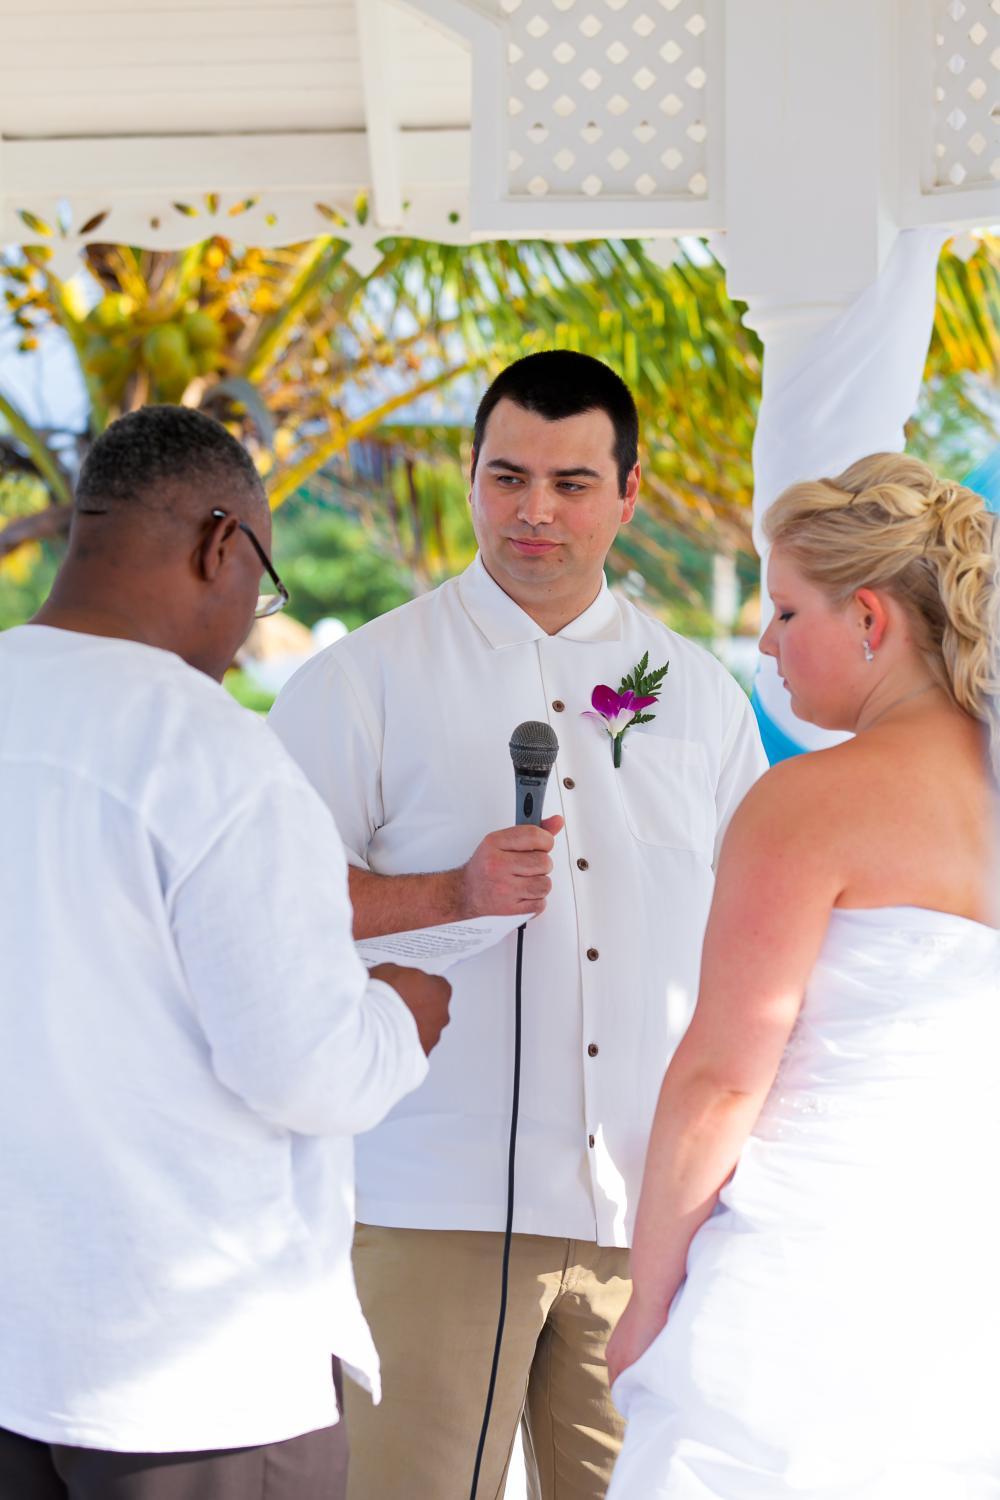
pixel 39 527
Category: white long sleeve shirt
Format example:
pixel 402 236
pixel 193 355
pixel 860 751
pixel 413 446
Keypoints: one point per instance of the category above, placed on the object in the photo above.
pixel 403 728
pixel 188 1042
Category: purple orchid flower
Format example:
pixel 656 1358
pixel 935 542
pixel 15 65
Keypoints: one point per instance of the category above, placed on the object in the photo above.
pixel 615 710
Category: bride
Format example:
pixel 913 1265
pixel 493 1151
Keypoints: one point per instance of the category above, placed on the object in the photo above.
pixel 816 1300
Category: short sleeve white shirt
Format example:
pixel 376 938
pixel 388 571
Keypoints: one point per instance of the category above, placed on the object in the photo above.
pixel 403 727
pixel 189 1041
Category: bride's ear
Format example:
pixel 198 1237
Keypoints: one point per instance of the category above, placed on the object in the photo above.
pixel 873 616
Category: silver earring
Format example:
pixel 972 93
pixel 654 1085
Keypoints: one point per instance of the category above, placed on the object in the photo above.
pixel 869 653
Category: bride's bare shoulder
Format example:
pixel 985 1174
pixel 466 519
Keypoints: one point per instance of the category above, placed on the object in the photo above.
pixel 790 841
pixel 821 793
pixel 871 780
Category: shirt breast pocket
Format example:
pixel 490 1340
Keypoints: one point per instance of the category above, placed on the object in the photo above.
pixel 666 793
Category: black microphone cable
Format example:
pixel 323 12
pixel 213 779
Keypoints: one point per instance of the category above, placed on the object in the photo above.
pixel 533 750
pixel 509 1229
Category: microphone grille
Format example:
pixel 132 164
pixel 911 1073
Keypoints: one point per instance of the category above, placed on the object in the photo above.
pixel 534 747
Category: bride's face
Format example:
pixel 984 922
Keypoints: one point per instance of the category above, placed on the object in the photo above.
pixel 816 644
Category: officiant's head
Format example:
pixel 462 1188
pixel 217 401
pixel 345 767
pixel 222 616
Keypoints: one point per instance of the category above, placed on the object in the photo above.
pixel 555 473
pixel 883 578
pixel 169 540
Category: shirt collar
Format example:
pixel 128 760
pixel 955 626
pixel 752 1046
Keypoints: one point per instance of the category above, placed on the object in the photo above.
pixel 505 623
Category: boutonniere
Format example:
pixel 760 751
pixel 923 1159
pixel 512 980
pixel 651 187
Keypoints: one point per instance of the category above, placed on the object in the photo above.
pixel 617 712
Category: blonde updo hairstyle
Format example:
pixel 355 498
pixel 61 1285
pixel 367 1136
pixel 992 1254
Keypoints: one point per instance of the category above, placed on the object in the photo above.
pixel 889 523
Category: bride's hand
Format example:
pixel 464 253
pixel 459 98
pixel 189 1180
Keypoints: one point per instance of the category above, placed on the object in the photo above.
pixel 637 1328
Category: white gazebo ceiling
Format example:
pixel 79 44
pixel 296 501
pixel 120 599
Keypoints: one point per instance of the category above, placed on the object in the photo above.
pixel 143 110
pixel 248 67
pixel 465 118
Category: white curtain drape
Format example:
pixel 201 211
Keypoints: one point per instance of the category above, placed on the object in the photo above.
pixel 849 394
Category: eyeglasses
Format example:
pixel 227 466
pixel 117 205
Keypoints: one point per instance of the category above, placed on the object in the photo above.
pixel 267 604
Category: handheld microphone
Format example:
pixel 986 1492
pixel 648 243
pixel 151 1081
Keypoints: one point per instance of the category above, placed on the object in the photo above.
pixel 533 749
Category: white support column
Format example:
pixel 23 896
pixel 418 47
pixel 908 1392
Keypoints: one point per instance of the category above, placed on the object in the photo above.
pixel 811 147
pixel 375 35
pixel 842 302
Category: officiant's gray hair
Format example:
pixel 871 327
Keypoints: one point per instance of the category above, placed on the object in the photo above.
pixel 888 522
pixel 146 457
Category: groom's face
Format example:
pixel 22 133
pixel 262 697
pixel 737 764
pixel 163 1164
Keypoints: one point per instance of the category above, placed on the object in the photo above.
pixel 546 503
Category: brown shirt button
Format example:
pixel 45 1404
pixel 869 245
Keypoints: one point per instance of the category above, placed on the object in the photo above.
pixel 558 705
pixel 593 955
pixel 592 1050
pixel 583 864
pixel 591 1141
pixel 568 783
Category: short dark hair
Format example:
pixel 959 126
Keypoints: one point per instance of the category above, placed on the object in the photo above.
pixel 157 446
pixel 561 383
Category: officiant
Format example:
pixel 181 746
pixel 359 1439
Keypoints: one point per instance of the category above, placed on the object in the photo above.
pixel 189 1036
pixel 403 729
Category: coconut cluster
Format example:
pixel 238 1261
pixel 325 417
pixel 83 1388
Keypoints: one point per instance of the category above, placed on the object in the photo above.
pixel 172 348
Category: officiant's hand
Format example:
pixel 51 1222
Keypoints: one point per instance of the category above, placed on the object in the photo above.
pixel 426 996
pixel 508 876
pixel 637 1327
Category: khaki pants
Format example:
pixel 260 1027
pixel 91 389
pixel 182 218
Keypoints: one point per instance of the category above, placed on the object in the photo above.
pixel 432 1298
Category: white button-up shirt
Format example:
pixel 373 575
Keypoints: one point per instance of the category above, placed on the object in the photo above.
pixel 403 728
pixel 189 1040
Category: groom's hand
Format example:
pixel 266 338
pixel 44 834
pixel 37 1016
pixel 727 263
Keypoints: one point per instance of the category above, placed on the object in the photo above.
pixel 637 1328
pixel 509 873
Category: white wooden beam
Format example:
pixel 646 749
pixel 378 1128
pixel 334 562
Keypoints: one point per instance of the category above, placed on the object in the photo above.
pixel 186 165
pixel 375 36
pixel 167 192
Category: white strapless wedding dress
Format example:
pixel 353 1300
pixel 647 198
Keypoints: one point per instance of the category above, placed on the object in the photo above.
pixel 838 1333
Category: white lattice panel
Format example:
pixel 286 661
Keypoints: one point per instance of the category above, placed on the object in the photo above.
pixel 966 93
pixel 607 98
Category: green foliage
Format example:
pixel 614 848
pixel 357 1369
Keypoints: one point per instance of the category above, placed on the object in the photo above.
pixel 956 423
pixel 27 572
pixel 644 684
pixel 674 335
pixel 20 437
pixel 305 358
pixel 335 565
pixel 25 575
pixel 247 693
pixel 336 380
pixel 957 420
pixel 655 562
pixel 21 494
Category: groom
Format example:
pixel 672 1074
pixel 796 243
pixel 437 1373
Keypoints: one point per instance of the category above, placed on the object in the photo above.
pixel 403 729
